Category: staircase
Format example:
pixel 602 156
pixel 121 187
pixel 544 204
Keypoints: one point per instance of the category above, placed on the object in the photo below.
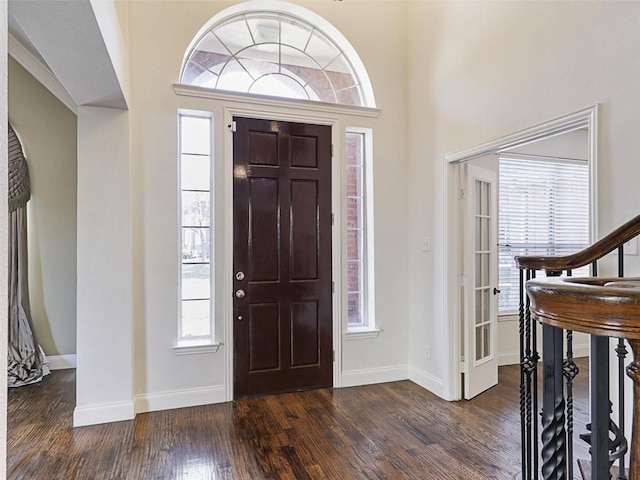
pixel 605 308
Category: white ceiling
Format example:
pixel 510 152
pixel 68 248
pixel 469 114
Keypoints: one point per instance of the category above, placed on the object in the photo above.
pixel 64 35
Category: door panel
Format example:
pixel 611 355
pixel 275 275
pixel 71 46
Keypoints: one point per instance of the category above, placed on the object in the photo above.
pixel 282 245
pixel 263 241
pixel 481 270
pixel 304 333
pixel 304 230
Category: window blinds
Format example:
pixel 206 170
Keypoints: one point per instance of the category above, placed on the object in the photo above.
pixel 543 210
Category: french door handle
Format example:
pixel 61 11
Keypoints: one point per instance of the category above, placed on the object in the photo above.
pixel 496 291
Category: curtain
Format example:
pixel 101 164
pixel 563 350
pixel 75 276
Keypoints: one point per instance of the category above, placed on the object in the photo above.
pixel 26 361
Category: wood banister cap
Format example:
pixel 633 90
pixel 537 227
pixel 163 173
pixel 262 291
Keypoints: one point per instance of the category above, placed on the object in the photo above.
pixel 598 306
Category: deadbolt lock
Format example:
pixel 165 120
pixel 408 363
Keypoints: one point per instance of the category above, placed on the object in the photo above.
pixel 240 276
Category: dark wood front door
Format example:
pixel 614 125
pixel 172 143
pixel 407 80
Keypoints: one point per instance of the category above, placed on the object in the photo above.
pixel 282 329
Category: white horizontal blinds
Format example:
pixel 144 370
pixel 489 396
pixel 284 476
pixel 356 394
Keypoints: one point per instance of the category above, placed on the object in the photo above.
pixel 543 210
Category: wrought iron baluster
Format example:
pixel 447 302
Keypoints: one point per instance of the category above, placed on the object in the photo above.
pixel 553 418
pixel 621 350
pixel 523 431
pixel 600 407
pixel 530 389
pixel 570 370
pixel 535 358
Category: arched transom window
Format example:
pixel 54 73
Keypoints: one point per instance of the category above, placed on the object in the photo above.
pixel 277 54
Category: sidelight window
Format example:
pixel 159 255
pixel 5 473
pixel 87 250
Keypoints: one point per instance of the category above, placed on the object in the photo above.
pixel 358 224
pixel 195 231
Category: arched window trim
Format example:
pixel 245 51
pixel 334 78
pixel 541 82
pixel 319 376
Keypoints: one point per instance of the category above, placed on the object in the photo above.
pixel 275 6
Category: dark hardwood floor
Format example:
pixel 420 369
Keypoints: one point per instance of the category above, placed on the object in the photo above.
pixel 389 431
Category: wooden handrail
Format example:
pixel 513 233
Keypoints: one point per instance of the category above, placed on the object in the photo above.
pixel 615 239
pixel 608 307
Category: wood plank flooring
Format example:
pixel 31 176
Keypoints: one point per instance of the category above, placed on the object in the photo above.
pixel 389 431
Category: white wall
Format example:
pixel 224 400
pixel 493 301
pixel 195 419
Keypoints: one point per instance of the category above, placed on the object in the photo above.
pixel 47 130
pixel 481 70
pixel 162 378
pixel 105 327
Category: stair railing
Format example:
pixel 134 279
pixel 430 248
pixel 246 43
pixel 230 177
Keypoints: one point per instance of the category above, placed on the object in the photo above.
pixel 554 459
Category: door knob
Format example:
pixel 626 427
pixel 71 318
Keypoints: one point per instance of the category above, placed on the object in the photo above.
pixel 240 276
pixel 239 293
pixel 495 291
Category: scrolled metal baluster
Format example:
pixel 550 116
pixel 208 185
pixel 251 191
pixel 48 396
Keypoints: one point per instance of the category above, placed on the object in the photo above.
pixel 570 370
pixel 554 446
pixel 530 390
pixel 621 350
pixel 523 432
pixel 535 359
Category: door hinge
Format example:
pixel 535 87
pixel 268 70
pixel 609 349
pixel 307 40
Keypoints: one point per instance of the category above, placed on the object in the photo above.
pixel 332 149
pixel 333 219
pixel 463 281
pixel 233 126
pixel 461 193
pixel 334 355
pixel 463 367
pixel 333 286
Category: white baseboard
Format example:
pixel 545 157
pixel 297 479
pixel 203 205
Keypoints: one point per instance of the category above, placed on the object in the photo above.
pixel 508 359
pixel 152 402
pixel 513 358
pixel 103 413
pixel 581 350
pixel 62 362
pixel 353 378
pixel 427 381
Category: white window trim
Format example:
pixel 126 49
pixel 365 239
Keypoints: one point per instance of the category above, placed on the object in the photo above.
pixel 369 329
pixel 202 344
pixel 263 101
pixel 191 347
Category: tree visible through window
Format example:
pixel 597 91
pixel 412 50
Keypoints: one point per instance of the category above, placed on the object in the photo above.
pixel 543 210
